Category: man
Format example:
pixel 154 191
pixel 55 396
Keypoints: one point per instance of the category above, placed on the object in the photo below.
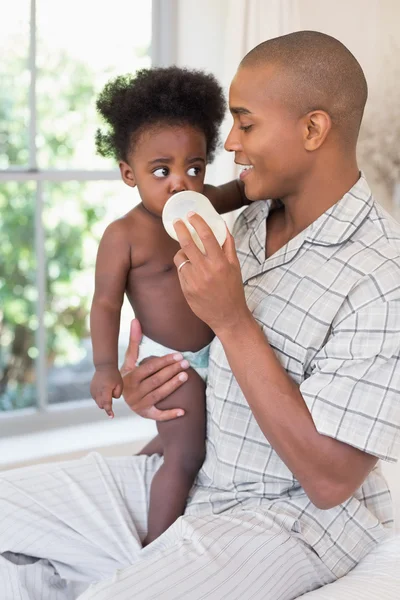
pixel 303 388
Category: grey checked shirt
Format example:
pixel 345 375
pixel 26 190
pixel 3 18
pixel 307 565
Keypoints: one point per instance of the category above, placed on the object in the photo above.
pixel 329 304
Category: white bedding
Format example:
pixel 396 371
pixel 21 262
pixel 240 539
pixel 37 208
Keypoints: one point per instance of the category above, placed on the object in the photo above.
pixel 377 577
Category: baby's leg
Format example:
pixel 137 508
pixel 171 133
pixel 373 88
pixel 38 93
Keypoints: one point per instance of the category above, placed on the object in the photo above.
pixel 183 442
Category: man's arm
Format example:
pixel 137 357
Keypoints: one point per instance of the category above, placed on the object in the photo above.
pixel 329 470
pixel 227 197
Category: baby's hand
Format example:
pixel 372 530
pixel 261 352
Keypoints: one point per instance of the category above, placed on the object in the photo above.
pixel 106 385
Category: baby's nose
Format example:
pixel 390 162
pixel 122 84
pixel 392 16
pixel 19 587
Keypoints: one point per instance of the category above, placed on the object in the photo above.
pixel 177 185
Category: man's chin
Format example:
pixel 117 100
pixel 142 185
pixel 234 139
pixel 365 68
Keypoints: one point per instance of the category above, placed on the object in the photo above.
pixel 253 195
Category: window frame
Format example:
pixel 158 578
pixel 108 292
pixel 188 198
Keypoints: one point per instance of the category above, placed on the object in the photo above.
pixel 44 416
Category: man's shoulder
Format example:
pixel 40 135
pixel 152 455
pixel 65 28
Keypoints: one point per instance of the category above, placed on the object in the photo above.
pixel 387 229
pixel 372 257
pixel 376 243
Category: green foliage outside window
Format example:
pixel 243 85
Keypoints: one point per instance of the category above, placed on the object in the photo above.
pixel 66 322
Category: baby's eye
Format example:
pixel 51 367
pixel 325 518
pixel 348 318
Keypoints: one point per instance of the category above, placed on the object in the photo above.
pixel 161 172
pixel 193 171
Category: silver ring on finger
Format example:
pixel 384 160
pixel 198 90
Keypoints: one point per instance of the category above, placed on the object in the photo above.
pixel 183 264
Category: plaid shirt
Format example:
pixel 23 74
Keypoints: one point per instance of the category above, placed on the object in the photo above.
pixel 329 304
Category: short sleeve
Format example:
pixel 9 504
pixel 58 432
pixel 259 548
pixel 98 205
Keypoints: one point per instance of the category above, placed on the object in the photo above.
pixel 353 392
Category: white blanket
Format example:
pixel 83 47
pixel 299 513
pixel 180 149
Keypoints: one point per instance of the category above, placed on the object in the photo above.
pixel 377 577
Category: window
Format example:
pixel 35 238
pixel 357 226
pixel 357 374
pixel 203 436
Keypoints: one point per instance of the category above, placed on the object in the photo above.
pixel 56 195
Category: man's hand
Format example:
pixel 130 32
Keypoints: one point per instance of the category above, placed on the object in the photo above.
pixel 152 381
pixel 211 282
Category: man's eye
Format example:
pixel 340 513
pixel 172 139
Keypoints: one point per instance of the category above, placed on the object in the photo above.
pixel 245 127
pixel 193 171
pixel 161 172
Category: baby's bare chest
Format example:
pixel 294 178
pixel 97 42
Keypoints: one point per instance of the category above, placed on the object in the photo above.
pixel 152 262
pixel 152 253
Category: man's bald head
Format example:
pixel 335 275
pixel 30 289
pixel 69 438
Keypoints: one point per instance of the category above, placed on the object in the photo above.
pixel 316 71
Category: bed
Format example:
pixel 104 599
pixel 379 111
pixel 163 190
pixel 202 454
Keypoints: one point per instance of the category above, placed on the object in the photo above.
pixel 377 577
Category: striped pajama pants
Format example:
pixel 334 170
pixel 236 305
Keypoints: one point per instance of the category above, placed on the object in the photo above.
pixel 73 530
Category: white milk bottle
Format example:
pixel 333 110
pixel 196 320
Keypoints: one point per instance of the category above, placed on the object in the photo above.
pixel 180 204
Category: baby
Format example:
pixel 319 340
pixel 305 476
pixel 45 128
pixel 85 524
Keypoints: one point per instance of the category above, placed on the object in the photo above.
pixel 163 130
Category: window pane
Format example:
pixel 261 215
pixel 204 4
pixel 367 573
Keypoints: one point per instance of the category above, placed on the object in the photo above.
pixel 81 45
pixel 14 84
pixel 75 216
pixel 18 296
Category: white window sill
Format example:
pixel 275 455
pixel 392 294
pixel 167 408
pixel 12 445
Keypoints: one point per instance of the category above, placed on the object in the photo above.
pixel 123 435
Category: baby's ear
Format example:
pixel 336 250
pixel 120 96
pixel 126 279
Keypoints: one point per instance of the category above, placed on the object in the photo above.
pixel 127 174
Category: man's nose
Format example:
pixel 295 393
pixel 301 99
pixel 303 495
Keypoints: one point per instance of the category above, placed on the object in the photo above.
pixel 232 143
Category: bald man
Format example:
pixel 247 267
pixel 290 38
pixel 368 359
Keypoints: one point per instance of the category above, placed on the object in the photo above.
pixel 303 385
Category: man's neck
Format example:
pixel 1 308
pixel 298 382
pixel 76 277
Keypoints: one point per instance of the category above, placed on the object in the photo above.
pixel 317 195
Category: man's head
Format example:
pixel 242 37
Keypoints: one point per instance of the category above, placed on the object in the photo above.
pixel 297 102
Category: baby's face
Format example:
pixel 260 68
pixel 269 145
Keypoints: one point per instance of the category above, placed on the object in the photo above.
pixel 167 160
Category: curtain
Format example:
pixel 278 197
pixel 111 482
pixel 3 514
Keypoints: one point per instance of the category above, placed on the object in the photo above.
pixel 248 23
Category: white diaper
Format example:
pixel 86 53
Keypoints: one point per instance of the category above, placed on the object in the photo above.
pixel 197 360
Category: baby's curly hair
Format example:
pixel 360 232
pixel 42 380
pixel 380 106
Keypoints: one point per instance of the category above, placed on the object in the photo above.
pixel 156 96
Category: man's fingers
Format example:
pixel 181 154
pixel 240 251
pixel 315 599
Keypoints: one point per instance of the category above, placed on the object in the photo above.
pixel 135 333
pixel 230 248
pixel 156 381
pixel 204 231
pixel 186 242
pixel 165 415
pixel 179 258
pixel 158 364
pixel 132 352
pixel 149 400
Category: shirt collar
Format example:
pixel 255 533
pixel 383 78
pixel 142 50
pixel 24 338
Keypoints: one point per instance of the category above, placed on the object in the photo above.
pixel 334 226
pixel 340 221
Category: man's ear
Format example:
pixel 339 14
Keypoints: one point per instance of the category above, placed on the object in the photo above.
pixel 127 174
pixel 317 125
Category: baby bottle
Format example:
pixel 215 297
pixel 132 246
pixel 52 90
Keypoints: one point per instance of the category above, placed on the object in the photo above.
pixel 180 204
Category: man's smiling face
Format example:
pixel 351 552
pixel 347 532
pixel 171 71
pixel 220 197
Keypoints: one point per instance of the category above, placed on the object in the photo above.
pixel 267 133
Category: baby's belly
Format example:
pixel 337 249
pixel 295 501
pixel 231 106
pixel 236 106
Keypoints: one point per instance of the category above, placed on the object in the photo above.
pixel 165 316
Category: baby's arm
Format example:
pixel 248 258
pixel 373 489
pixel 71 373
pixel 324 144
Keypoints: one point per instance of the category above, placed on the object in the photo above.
pixel 112 267
pixel 226 197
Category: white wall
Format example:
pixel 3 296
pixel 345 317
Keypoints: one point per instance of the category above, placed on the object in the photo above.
pixel 369 28
pixel 200 45
pixel 201 34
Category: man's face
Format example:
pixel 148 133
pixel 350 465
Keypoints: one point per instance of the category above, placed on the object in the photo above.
pixel 267 134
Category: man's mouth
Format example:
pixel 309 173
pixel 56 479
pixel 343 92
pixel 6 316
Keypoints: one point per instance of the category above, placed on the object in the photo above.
pixel 245 170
